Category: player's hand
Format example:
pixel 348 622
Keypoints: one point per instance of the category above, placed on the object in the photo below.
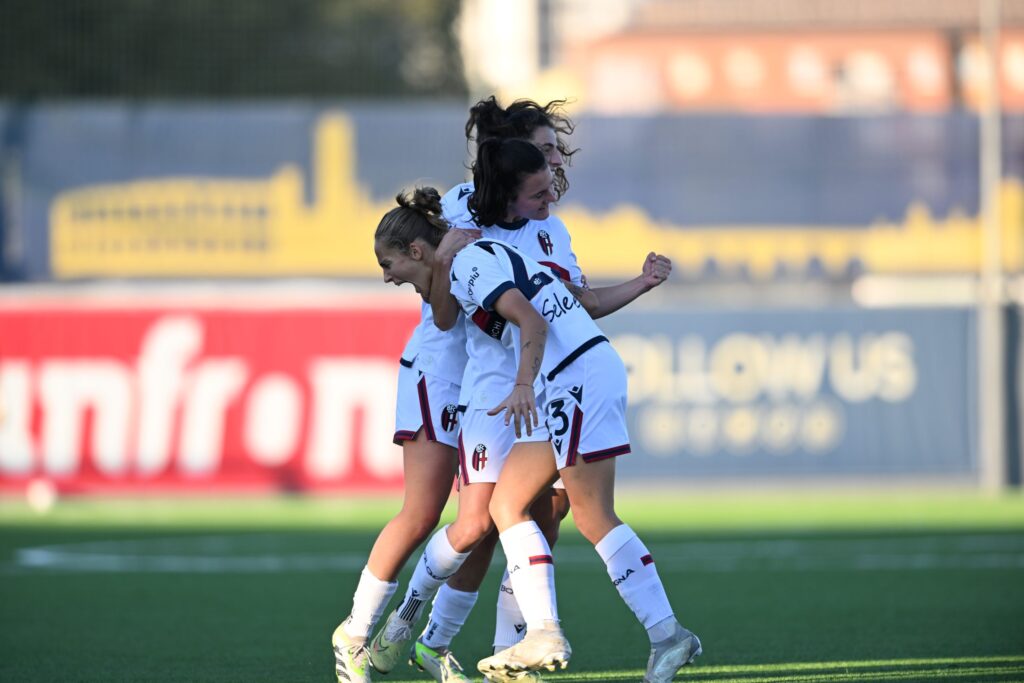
pixel 656 270
pixel 453 242
pixel 521 404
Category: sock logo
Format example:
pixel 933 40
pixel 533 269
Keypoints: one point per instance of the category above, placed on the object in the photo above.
pixel 622 578
pixel 411 609
pixel 430 572
pixel 519 627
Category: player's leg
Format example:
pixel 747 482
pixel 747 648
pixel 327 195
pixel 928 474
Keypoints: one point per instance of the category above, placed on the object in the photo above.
pixel 428 443
pixel 596 400
pixel 429 471
pixel 509 625
pixel 456 598
pixel 529 471
pixel 630 566
pixel 447 549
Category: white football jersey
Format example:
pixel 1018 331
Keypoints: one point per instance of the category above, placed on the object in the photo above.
pixel 480 274
pixel 434 351
pixel 546 241
pixel 489 379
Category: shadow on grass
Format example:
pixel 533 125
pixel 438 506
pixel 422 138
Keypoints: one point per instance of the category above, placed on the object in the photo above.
pixel 1009 668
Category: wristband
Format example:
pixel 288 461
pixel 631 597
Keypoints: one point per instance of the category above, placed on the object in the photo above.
pixel 523 384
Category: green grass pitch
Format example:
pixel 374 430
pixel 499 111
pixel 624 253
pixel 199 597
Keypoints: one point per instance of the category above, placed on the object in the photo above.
pixel 780 587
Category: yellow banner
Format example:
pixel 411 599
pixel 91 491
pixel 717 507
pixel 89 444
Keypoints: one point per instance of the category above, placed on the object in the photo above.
pixel 223 227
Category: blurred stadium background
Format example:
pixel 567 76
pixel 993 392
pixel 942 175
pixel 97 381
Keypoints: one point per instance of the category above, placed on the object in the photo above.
pixel 190 301
pixel 190 309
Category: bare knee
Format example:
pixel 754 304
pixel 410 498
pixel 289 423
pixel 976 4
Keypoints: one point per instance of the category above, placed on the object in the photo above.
pixel 507 512
pixel 468 530
pixel 418 524
pixel 594 524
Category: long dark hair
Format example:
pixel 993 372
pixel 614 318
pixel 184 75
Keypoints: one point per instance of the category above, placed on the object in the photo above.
pixel 418 215
pixel 519 120
pixel 498 172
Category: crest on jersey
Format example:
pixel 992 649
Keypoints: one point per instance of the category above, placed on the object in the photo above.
pixel 545 242
pixel 449 417
pixel 479 457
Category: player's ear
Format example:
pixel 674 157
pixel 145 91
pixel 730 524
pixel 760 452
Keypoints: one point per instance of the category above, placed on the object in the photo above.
pixel 416 251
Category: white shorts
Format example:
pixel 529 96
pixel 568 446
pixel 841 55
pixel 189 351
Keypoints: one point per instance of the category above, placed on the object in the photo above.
pixel 585 405
pixel 485 442
pixel 429 403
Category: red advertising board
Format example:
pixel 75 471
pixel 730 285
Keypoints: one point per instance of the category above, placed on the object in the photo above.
pixel 129 399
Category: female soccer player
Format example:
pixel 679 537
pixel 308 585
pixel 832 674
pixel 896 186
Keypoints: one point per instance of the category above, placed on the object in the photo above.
pixel 485 439
pixel 427 429
pixel 541 125
pixel 495 284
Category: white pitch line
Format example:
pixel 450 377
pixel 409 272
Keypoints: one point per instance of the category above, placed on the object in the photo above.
pixel 247 553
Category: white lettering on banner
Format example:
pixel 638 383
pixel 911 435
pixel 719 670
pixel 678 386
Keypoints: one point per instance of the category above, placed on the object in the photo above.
pixel 882 367
pixel 168 346
pixel 67 390
pixel 210 389
pixel 166 411
pixel 747 391
pixel 339 388
pixel 273 418
pixel 17 454
pixel 740 367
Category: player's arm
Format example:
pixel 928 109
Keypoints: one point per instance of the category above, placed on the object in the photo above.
pixel 587 298
pixel 656 270
pixel 442 304
pixel 533 335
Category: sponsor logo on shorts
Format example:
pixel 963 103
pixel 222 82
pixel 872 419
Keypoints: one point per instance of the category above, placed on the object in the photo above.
pixel 577 393
pixel 449 417
pixel 479 457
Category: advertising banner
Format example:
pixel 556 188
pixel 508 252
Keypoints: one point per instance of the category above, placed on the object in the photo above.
pixel 156 399
pixel 165 399
pixel 867 393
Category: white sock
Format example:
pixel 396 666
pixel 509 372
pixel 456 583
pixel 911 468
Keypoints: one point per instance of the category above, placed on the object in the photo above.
pixel 368 603
pixel 448 614
pixel 437 563
pixel 531 571
pixel 509 625
pixel 631 569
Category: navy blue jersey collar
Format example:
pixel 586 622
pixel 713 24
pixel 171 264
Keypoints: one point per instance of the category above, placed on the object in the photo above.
pixel 514 225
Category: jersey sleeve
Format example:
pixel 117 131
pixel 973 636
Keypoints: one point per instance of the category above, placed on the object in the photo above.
pixel 480 277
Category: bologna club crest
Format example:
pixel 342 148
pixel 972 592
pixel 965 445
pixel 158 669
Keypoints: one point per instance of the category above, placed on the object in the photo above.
pixel 545 242
pixel 479 457
pixel 449 417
